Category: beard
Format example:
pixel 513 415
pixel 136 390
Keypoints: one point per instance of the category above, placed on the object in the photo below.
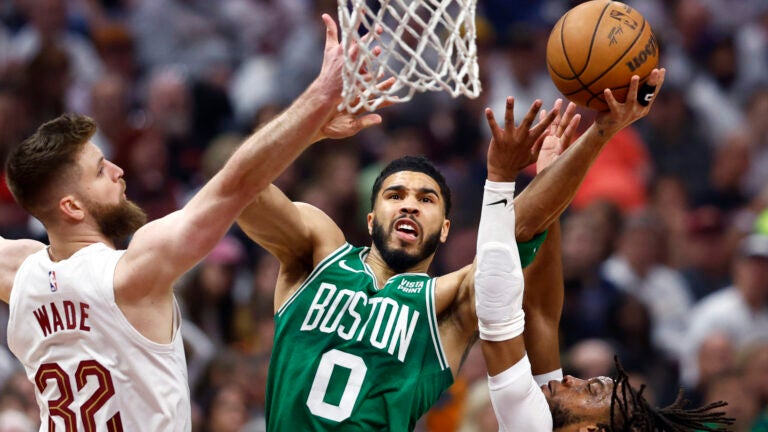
pixel 117 221
pixel 561 417
pixel 397 259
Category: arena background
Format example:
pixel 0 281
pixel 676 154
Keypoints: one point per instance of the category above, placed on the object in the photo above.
pixel 653 232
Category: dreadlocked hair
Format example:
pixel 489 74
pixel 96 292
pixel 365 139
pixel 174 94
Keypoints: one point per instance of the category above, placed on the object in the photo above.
pixel 631 412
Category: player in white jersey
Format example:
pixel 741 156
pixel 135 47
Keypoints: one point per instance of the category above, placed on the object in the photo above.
pixel 72 338
pixel 98 329
pixel 551 402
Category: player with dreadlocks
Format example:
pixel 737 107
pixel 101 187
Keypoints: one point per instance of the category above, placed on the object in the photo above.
pixel 547 401
pixel 630 411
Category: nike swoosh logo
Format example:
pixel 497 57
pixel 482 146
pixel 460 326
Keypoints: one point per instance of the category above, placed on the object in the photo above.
pixel 343 264
pixel 501 201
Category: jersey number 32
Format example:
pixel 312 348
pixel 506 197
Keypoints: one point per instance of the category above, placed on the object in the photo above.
pixel 61 406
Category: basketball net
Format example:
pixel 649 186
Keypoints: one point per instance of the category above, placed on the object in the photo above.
pixel 427 45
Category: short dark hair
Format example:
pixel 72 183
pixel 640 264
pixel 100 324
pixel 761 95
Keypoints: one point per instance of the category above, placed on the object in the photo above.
pixel 45 158
pixel 417 164
pixel 631 412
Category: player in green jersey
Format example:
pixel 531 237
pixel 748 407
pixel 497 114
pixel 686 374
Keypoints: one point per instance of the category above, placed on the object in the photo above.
pixel 364 339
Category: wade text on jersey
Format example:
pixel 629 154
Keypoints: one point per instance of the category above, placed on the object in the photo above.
pixel 62 315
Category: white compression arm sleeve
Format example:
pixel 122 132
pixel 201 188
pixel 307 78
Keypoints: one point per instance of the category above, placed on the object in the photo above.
pixel 499 275
pixel 555 375
pixel 518 402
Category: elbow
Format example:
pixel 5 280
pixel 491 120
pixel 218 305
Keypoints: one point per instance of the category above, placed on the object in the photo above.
pixel 527 230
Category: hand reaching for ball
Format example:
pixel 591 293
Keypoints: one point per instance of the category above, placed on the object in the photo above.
pixel 620 115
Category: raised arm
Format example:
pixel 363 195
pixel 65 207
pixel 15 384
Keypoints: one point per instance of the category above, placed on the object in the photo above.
pixel 551 191
pixel 543 304
pixel 12 254
pixel 511 149
pixel 517 400
pixel 164 249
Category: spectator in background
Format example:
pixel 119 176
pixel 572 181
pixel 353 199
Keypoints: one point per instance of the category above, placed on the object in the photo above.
pixel 13 125
pixel 706 251
pixel 754 366
pixel 110 101
pixel 742 404
pixel 670 202
pixel 47 25
pixel 207 297
pixel 637 268
pixel 676 144
pixel 188 32
pixel 520 67
pixel 45 81
pixel 631 329
pixel 15 421
pixel 716 355
pixel 619 174
pixel 751 38
pixel 726 178
pixel 589 297
pixel 756 130
pixel 740 310
pixel 148 178
pixel 169 107
pixel 590 358
pixel 228 411
pixel 117 50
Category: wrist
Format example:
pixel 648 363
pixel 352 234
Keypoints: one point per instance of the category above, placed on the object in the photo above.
pixel 319 94
pixel 606 127
pixel 502 177
pixel 503 187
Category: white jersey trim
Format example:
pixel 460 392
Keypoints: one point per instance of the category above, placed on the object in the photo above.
pixel 322 265
pixel 434 328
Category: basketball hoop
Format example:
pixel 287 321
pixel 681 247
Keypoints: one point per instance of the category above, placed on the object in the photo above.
pixel 427 45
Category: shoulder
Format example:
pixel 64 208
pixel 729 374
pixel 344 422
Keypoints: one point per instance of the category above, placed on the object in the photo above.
pixel 12 255
pixel 452 283
pixel 326 236
pixel 455 292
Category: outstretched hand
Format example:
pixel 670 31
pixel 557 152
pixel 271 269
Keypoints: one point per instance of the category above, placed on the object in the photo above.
pixel 513 148
pixel 343 124
pixel 559 135
pixel 621 115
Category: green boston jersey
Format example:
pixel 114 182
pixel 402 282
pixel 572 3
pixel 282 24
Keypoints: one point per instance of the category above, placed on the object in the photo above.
pixel 351 357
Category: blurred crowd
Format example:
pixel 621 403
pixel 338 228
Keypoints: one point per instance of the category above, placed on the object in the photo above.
pixel 665 247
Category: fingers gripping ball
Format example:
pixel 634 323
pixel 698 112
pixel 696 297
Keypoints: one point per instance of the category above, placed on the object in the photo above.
pixel 597 45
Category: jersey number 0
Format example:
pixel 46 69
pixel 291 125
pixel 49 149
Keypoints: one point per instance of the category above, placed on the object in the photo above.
pixel 316 403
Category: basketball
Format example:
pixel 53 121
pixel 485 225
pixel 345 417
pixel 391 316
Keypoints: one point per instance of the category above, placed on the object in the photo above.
pixel 597 45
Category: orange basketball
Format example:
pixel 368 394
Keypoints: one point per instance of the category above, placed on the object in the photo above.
pixel 597 45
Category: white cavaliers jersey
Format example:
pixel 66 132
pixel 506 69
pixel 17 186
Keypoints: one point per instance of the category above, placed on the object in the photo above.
pixel 93 371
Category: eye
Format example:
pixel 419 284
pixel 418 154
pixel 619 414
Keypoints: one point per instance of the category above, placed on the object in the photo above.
pixel 427 200
pixel 589 388
pixel 394 196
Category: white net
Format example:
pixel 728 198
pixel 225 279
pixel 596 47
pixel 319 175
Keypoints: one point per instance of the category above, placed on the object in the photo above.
pixel 427 45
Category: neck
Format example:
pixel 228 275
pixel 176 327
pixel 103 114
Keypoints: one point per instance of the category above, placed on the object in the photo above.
pixel 64 243
pixel 383 271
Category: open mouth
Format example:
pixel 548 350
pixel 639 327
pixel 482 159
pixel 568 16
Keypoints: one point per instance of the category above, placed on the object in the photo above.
pixel 407 229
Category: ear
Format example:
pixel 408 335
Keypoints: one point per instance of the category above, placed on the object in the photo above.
pixel 370 223
pixel 71 208
pixel 444 230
